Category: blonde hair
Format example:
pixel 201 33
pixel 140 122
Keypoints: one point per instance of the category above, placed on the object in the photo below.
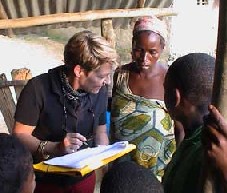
pixel 88 50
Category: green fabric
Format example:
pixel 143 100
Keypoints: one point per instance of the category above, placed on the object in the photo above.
pixel 142 122
pixel 182 173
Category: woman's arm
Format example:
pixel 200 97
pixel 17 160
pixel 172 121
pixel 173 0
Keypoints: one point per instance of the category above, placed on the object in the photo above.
pixel 70 143
pixel 24 133
pixel 101 136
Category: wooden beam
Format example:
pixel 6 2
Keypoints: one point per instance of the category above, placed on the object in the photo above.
pixel 84 16
pixel 7 83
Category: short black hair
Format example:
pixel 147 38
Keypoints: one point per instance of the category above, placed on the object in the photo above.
pixel 15 164
pixel 129 177
pixel 193 75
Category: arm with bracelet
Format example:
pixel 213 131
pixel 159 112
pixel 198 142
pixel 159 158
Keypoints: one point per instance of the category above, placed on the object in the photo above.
pixel 33 128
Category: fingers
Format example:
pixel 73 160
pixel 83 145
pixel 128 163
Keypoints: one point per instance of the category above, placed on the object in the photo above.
pixel 73 142
pixel 218 142
pixel 76 136
pixel 219 119
pixel 215 136
pixel 218 152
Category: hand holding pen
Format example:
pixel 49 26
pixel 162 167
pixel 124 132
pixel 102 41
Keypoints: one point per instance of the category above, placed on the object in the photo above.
pixel 73 142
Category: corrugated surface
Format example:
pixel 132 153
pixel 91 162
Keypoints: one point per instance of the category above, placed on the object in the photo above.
pixel 25 8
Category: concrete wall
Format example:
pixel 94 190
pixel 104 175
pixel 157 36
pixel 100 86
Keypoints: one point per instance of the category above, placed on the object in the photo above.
pixel 194 29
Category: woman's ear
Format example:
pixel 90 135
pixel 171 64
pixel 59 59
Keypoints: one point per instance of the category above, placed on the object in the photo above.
pixel 178 96
pixel 77 70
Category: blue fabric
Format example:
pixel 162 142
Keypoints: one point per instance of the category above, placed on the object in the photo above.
pixel 108 121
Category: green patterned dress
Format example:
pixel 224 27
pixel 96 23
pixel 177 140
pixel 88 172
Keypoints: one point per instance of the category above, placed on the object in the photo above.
pixel 144 123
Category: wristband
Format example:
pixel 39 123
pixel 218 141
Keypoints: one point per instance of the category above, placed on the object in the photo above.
pixel 41 148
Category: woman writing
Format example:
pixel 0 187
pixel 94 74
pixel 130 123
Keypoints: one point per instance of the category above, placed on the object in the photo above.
pixel 60 110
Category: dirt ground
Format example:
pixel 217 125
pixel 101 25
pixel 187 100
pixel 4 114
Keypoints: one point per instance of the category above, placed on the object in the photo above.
pixel 35 53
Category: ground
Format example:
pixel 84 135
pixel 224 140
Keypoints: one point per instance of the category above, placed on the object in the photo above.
pixel 35 53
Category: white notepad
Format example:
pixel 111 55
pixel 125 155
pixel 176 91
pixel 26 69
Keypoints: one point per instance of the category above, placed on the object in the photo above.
pixel 90 156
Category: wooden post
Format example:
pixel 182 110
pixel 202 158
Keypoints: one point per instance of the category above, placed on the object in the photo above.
pixel 213 181
pixel 219 97
pixel 7 105
pixel 108 33
pixel 20 74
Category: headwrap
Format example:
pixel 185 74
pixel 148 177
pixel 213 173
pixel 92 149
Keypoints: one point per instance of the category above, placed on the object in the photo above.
pixel 150 23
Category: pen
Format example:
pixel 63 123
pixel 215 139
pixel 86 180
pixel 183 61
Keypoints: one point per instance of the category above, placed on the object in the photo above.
pixel 86 142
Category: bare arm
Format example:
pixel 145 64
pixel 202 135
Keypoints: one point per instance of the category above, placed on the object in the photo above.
pixel 101 137
pixel 72 141
pixel 24 133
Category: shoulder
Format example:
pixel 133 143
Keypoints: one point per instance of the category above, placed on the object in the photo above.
pixel 122 69
pixel 163 68
pixel 48 81
pixel 44 83
pixel 37 81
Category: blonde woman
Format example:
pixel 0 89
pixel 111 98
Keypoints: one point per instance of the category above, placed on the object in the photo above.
pixel 60 110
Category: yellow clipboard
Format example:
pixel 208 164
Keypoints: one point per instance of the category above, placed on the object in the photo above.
pixel 42 167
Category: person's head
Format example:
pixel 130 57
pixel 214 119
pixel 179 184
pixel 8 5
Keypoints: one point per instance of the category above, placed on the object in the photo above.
pixel 148 41
pixel 129 177
pixel 16 169
pixel 89 58
pixel 188 87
